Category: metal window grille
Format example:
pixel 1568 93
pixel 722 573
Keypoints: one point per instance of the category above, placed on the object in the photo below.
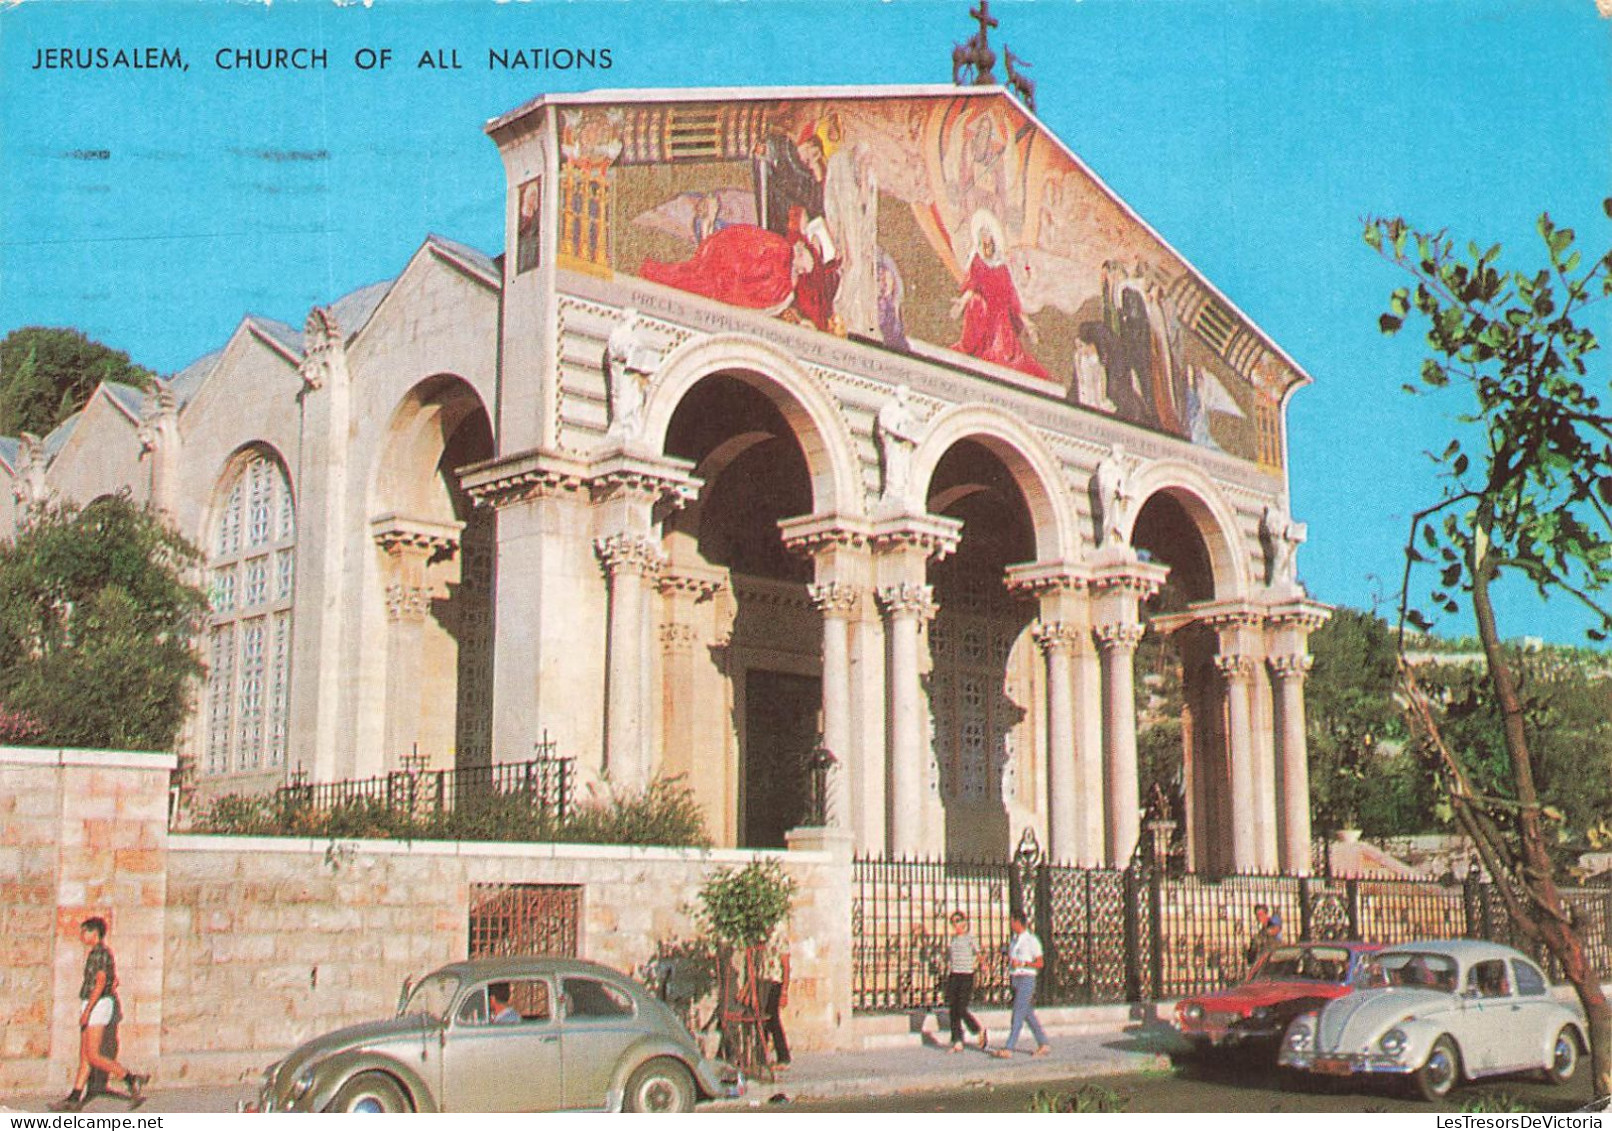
pixel 524 919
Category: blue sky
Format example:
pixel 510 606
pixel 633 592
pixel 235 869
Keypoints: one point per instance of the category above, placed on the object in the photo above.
pixel 1253 136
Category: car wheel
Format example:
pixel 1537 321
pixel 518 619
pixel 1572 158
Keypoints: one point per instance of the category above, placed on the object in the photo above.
pixel 1438 1074
pixel 660 1085
pixel 370 1092
pixel 1563 1056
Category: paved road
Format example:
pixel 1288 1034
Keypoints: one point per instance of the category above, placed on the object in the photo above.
pixel 1167 1090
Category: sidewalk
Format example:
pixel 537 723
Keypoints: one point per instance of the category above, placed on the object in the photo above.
pixel 910 1067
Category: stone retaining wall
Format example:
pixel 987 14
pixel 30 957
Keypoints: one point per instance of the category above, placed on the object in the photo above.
pixel 231 950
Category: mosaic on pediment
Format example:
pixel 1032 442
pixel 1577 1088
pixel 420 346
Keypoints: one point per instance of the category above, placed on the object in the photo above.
pixel 952 228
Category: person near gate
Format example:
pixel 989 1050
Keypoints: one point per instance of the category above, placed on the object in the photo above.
pixel 1025 959
pixel 963 963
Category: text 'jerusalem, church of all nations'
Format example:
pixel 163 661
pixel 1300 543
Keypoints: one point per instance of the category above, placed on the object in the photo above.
pixel 865 418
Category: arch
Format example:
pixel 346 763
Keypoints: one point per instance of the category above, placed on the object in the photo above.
pixel 402 479
pixel 1210 511
pixel 812 415
pixel 1033 467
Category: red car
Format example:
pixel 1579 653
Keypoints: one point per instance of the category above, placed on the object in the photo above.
pixel 1288 980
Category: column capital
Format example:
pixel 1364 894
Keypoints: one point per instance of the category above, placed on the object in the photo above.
pixel 620 474
pixel 527 476
pixel 935 535
pixel 1119 636
pixel 1057 636
pixel 700 584
pixel 907 599
pixel 812 534
pixel 1236 667
pixel 1136 579
pixel 1037 579
pixel 629 554
pixel 835 598
pixel 407 602
pixel 1303 615
pixel 1292 666
pixel 411 537
pixel 677 637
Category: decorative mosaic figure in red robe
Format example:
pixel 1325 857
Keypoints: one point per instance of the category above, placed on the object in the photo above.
pixel 993 320
pixel 793 275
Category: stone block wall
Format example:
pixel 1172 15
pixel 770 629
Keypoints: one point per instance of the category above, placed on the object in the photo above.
pixel 82 833
pixel 295 938
pixel 232 950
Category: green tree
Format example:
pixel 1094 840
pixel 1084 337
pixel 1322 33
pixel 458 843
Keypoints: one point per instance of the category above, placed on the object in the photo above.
pixel 1360 776
pixel 97 623
pixel 1566 702
pixel 48 373
pixel 1527 494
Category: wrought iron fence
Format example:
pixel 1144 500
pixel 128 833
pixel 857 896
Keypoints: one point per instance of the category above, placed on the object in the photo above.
pixel 1142 934
pixel 544 784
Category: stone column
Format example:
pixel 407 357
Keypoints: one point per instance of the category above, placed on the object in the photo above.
pixel 689 702
pixel 321 677
pixel 902 547
pixel 908 607
pixel 547 592
pixel 837 601
pixel 1057 641
pixel 1292 762
pixel 630 560
pixel 1119 586
pixel 1118 644
pixel 409 545
pixel 1238 672
pixel 1075 794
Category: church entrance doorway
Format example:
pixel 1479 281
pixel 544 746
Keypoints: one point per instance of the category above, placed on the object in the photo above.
pixel 781 713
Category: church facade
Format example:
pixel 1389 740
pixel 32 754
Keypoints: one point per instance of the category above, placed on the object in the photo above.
pixel 861 420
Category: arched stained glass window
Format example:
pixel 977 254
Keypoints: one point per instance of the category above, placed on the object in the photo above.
pixel 251 576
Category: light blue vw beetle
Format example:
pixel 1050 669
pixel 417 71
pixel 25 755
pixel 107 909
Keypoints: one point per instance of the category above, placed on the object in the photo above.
pixel 505 1035
pixel 1440 1012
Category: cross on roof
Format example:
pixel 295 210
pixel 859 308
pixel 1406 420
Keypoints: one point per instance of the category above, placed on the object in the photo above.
pixel 983 16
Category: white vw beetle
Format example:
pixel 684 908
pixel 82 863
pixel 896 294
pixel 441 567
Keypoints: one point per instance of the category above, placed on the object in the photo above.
pixel 1437 1013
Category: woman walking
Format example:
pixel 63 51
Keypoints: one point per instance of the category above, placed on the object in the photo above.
pixel 98 997
pixel 965 955
pixel 1024 963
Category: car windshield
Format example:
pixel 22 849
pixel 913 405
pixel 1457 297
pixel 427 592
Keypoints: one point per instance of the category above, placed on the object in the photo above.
pixel 1414 969
pixel 1306 963
pixel 433 996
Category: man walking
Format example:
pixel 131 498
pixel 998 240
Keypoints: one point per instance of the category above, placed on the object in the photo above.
pixel 965 954
pixel 1024 963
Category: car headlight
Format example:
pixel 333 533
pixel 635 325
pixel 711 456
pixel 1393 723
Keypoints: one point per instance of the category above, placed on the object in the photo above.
pixel 1301 1034
pixel 1392 1042
pixel 1260 1013
pixel 1192 1011
pixel 301 1085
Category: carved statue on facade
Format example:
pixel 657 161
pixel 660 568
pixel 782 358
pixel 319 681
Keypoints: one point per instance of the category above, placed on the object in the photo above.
pixel 157 417
pixel 1280 537
pixel 324 348
pixel 29 486
pixel 1114 497
pixel 1017 81
pixel 630 361
pixel 896 432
